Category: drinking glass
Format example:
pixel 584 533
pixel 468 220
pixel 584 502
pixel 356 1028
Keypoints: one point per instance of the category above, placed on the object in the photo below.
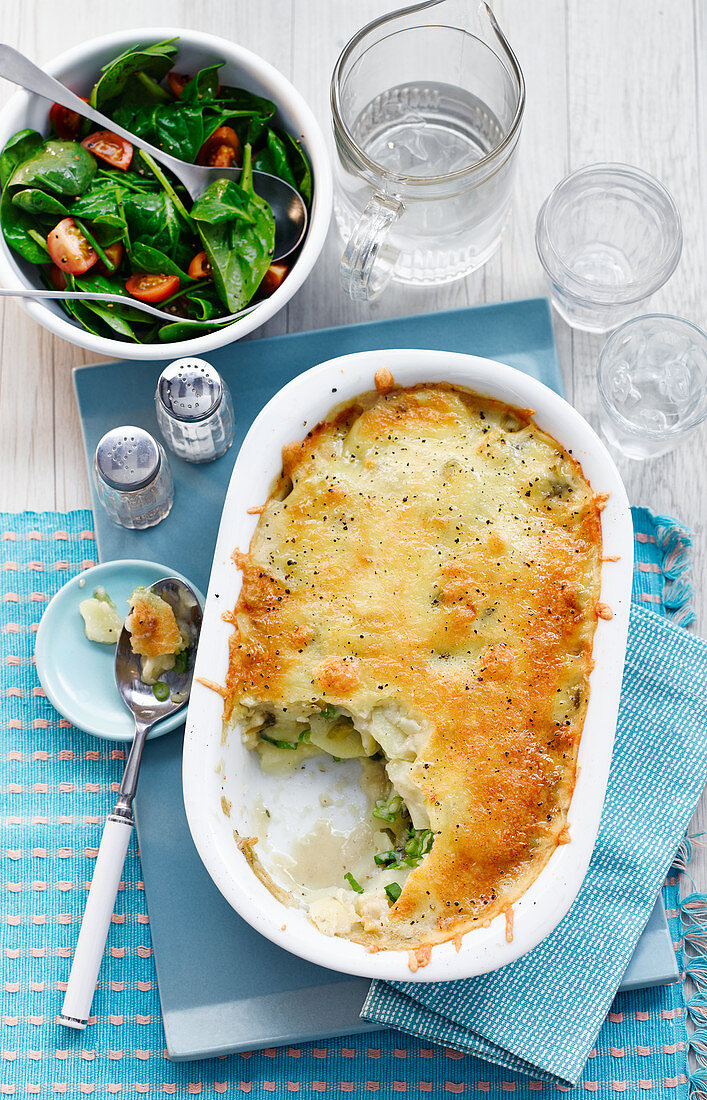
pixel 426 119
pixel 652 376
pixel 608 237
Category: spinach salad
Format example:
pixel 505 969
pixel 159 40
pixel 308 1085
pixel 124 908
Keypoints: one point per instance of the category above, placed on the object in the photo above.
pixel 95 214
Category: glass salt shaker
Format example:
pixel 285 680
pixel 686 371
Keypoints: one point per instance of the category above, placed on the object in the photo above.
pixel 132 478
pixel 194 410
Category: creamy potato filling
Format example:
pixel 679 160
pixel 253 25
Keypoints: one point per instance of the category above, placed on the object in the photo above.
pixel 398 829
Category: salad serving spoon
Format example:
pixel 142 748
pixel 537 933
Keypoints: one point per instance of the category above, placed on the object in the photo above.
pixel 287 205
pixel 148 708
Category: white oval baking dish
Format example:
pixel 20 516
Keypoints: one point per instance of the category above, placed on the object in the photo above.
pixel 213 770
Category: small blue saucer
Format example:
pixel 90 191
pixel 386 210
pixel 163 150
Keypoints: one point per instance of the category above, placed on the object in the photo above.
pixel 78 676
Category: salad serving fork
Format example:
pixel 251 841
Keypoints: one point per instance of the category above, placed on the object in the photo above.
pixel 123 300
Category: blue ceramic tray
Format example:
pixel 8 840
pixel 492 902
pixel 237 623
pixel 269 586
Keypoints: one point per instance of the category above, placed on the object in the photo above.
pixel 224 988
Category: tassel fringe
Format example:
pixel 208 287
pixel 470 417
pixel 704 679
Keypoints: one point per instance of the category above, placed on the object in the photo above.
pixel 675 540
pixel 693 915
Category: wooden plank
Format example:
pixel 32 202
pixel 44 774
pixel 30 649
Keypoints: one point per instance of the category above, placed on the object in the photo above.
pixel 536 33
pixel 27 402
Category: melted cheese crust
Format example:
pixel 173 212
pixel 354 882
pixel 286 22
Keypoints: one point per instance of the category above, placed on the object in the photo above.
pixel 435 550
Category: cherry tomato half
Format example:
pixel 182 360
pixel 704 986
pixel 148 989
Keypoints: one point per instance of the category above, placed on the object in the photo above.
pixel 200 268
pixel 152 288
pixel 109 147
pixel 177 82
pixel 114 252
pixel 222 149
pixel 69 249
pixel 57 278
pixel 272 278
pixel 66 123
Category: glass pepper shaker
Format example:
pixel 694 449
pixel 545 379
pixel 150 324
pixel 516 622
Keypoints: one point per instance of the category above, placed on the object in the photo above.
pixel 132 478
pixel 194 410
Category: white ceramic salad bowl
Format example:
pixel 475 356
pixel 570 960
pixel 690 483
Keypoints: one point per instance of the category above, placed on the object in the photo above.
pixel 214 771
pixel 78 69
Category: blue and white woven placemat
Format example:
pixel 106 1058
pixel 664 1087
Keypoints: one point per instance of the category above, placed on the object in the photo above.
pixel 57 787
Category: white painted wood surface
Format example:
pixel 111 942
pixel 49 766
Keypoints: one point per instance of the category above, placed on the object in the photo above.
pixel 606 81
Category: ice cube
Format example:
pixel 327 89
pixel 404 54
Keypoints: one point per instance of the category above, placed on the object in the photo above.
pixel 678 383
pixel 653 419
pixel 633 397
pixel 620 382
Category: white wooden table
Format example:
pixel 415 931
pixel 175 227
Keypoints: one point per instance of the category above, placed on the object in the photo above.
pixel 606 82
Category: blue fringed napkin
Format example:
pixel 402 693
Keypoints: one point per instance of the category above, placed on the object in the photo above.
pixel 541 1015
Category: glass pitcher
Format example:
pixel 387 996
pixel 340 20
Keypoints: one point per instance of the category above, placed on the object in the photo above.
pixel 426 119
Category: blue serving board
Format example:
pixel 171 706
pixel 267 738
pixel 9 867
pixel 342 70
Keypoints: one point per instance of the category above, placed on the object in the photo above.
pixel 223 987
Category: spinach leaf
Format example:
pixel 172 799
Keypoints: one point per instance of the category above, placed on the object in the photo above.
pixel 175 127
pixel 102 203
pixel 60 166
pixel 179 129
pixel 299 166
pixel 85 317
pixel 283 157
pixel 227 204
pixel 40 204
pixel 20 146
pixel 273 159
pixel 146 85
pixel 151 260
pixel 130 180
pixel 203 302
pixel 93 320
pixel 242 103
pixel 152 219
pixel 239 252
pixel 113 316
pixel 103 284
pixel 203 87
pixel 180 330
pixel 155 60
pixel 168 189
pixel 17 228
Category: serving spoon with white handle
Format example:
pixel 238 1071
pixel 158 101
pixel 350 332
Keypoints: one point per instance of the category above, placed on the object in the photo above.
pixel 287 205
pixel 147 709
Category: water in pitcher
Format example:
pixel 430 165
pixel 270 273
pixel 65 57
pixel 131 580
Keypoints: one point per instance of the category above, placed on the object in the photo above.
pixel 421 131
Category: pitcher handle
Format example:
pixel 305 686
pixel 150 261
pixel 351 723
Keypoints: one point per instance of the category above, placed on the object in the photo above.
pixel 369 259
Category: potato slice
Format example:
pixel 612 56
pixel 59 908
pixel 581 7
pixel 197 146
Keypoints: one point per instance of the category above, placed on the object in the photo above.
pixel 102 621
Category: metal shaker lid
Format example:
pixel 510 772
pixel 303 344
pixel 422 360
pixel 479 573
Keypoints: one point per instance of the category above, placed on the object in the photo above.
pixel 189 389
pixel 127 459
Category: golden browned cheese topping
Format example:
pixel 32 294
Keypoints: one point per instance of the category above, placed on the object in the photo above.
pixel 434 550
pixel 152 624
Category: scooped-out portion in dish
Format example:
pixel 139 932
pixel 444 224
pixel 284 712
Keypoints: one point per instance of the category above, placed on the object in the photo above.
pixel 420 595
